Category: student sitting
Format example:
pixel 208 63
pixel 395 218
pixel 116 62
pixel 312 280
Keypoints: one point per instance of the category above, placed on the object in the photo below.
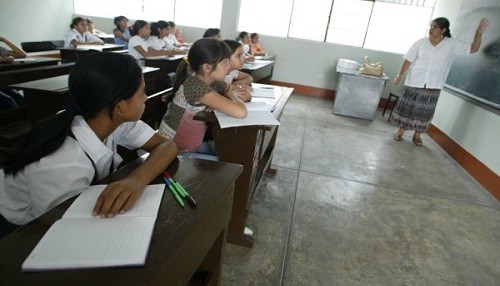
pixel 208 60
pixel 212 33
pixel 92 29
pixel 171 40
pixel 122 31
pixel 244 39
pixel 238 80
pixel 139 46
pixel 9 98
pixel 159 31
pixel 78 35
pixel 6 55
pixel 255 46
pixel 75 148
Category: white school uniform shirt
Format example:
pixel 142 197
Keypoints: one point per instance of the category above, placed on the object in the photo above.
pixel 44 184
pixel 134 42
pixel 156 43
pixel 229 78
pixel 430 64
pixel 170 41
pixel 87 37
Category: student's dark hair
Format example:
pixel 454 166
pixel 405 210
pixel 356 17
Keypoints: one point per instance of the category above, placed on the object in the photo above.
pixel 253 35
pixel 158 25
pixel 76 21
pixel 211 32
pixel 203 51
pixel 242 35
pixel 117 21
pixel 138 24
pixel 96 82
pixel 443 23
pixel 171 24
pixel 233 45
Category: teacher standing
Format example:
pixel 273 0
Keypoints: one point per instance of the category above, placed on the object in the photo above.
pixel 429 60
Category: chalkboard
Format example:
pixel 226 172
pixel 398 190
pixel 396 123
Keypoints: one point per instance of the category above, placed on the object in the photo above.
pixel 478 75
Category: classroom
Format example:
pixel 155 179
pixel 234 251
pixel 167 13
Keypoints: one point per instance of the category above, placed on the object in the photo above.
pixel 343 202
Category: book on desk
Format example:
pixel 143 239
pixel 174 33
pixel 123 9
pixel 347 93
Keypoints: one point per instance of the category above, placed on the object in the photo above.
pixel 80 240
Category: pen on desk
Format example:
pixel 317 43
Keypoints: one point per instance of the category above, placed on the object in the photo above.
pixel 179 187
pixel 189 198
pixel 174 193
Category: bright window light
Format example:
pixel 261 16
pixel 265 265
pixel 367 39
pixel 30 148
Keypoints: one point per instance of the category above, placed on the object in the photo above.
pixel 265 17
pixel 310 21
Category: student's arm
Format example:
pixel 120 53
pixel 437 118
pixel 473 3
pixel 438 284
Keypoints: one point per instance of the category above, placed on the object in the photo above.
pixel 232 106
pixel 243 79
pixel 120 196
pixel 404 68
pixel 152 52
pixel 119 34
pixel 16 52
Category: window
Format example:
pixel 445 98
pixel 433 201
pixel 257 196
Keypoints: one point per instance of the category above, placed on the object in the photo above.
pixel 372 24
pixel 206 14
pixel 198 13
pixel 265 16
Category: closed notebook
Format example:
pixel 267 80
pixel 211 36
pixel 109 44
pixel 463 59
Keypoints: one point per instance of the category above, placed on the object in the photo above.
pixel 79 240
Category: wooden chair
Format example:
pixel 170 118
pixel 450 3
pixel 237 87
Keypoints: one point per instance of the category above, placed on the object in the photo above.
pixel 390 102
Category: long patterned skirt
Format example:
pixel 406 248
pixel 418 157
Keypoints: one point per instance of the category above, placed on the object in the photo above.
pixel 415 108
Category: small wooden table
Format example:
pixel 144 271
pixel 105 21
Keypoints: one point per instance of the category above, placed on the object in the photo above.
pixel 260 70
pixel 46 96
pixel 69 55
pixel 166 65
pixel 29 62
pixel 252 147
pixel 186 247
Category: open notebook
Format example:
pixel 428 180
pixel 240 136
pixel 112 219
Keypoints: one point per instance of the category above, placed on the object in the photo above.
pixel 79 240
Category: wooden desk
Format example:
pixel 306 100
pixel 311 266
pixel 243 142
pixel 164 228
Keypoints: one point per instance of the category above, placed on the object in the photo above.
pixel 47 96
pixel 166 65
pixel 185 241
pixel 260 70
pixel 252 147
pixel 29 63
pixel 73 54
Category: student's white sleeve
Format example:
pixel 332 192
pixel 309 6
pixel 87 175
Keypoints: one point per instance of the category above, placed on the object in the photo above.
pixel 52 185
pixel 93 38
pixel 461 48
pixel 70 36
pixel 133 135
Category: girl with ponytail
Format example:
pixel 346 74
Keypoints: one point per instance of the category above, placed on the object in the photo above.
pixel 69 151
pixel 199 84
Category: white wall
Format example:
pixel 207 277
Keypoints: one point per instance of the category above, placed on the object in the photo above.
pixel 35 20
pixel 302 62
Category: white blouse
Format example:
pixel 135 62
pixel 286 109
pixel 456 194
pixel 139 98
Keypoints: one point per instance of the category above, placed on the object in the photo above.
pixel 44 184
pixel 430 64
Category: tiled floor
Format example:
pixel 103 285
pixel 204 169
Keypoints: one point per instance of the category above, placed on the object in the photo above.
pixel 351 206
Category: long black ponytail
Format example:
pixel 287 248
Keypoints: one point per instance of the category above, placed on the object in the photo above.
pixel 96 82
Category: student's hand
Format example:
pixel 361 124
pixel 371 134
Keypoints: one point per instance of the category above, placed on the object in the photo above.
pixel 118 197
pixel 6 59
pixel 482 26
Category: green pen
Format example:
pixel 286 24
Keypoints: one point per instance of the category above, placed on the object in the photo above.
pixel 174 193
pixel 189 198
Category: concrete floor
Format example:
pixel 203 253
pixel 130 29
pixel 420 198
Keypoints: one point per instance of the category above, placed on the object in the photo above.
pixel 351 206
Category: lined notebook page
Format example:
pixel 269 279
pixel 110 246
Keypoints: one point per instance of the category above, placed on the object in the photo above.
pixel 79 240
pixel 84 243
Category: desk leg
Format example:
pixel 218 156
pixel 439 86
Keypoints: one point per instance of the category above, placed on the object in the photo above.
pixel 245 152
